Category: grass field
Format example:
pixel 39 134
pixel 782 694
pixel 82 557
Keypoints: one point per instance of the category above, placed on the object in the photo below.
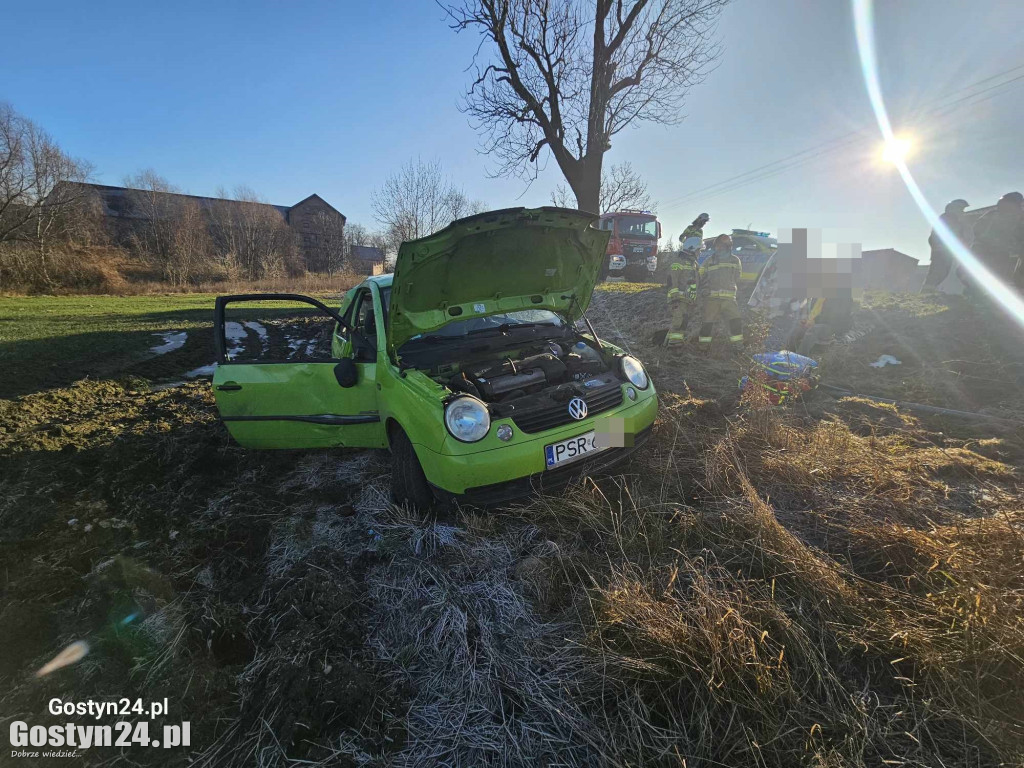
pixel 48 341
pixel 52 341
pixel 835 583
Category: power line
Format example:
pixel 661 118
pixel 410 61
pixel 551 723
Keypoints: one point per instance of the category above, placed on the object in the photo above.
pixel 790 166
pixel 812 153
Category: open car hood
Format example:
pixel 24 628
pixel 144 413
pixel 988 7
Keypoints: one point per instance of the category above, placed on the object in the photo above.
pixel 501 261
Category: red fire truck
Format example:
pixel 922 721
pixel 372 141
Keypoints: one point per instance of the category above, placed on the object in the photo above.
pixel 633 246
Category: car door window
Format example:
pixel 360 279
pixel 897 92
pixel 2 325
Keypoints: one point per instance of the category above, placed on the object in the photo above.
pixel 275 331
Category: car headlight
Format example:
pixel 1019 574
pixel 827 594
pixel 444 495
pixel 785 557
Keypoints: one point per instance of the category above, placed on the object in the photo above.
pixel 467 419
pixel 634 371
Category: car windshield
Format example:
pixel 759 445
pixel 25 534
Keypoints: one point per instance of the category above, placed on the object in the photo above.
pixel 505 321
pixel 637 226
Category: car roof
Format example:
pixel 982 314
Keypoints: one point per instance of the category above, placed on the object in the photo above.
pixel 382 281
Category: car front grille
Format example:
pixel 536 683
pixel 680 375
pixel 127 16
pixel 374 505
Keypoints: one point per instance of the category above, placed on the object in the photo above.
pixel 551 416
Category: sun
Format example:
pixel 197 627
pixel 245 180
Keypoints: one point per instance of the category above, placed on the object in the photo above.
pixel 897 150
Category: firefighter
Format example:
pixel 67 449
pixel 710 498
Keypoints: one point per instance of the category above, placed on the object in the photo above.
pixel 696 229
pixel 942 259
pixel 682 292
pixel 719 277
pixel 997 235
pixel 999 239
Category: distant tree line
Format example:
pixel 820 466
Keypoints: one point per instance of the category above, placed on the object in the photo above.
pixel 54 234
pixel 54 231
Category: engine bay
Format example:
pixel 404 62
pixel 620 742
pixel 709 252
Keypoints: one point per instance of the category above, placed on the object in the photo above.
pixel 534 378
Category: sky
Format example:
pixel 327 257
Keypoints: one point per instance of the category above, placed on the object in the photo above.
pixel 331 97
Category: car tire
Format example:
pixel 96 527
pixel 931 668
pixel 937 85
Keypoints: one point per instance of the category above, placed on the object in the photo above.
pixel 408 483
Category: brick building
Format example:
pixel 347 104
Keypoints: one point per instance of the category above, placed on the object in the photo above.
pixel 319 226
pixel 887 269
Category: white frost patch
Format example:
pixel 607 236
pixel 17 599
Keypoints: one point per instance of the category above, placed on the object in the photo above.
pixel 494 683
pixel 235 335
pixel 172 340
pixel 327 524
pixel 203 370
pixel 327 469
pixel 293 540
pixel 307 347
pixel 261 331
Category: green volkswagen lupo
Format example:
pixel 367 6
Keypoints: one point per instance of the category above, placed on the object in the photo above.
pixel 469 363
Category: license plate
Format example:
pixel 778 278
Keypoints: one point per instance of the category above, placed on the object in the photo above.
pixel 570 450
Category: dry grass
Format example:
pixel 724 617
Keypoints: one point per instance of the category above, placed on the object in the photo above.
pixel 309 283
pixel 103 270
pixel 797 594
pixel 835 584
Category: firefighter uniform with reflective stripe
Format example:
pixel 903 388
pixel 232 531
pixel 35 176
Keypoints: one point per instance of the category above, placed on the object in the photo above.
pixel 681 295
pixel 718 281
pixel 692 231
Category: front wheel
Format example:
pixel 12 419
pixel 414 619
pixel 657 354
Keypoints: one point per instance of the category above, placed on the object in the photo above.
pixel 408 483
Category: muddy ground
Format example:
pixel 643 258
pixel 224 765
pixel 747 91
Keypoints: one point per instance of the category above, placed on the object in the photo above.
pixel 290 613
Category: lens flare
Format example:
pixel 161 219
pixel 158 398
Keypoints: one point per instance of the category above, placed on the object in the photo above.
pixel 898 150
pixel 863 21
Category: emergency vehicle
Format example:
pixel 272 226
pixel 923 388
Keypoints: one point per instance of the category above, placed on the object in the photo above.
pixel 633 246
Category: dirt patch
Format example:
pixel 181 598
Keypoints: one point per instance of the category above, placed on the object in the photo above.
pixel 130 521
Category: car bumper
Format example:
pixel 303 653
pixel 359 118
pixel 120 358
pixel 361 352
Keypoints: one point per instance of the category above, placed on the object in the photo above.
pixel 540 482
pixel 457 471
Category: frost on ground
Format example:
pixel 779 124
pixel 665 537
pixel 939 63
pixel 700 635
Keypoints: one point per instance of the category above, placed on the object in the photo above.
pixel 235 335
pixel 320 523
pixel 203 370
pixel 494 685
pixel 172 340
pixel 260 331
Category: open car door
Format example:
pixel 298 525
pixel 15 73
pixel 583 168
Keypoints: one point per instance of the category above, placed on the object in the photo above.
pixel 279 385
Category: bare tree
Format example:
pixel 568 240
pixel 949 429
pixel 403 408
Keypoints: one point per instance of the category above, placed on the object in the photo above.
pixel 39 196
pixel 167 228
pixel 567 75
pixel 192 246
pixel 621 188
pixel 252 236
pixel 150 209
pixel 327 251
pixel 418 200
pixel 357 234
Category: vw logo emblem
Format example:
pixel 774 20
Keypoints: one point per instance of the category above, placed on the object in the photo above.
pixel 578 408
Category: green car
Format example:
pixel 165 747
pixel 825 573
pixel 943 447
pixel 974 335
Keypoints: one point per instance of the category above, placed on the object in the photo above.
pixel 468 363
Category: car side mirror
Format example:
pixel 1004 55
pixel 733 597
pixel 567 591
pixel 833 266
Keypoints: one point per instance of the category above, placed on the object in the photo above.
pixel 346 373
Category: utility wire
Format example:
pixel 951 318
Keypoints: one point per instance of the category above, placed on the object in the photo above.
pixel 944 109
pixel 804 156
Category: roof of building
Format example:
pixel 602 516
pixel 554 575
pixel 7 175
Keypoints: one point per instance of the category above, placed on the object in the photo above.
pixel 315 196
pixel 114 200
pixel 887 253
pixel 368 253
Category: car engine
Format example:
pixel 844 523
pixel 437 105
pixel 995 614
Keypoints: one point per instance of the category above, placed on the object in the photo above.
pixel 533 385
pixel 536 370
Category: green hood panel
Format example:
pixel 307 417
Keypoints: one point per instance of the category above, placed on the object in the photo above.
pixel 501 261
